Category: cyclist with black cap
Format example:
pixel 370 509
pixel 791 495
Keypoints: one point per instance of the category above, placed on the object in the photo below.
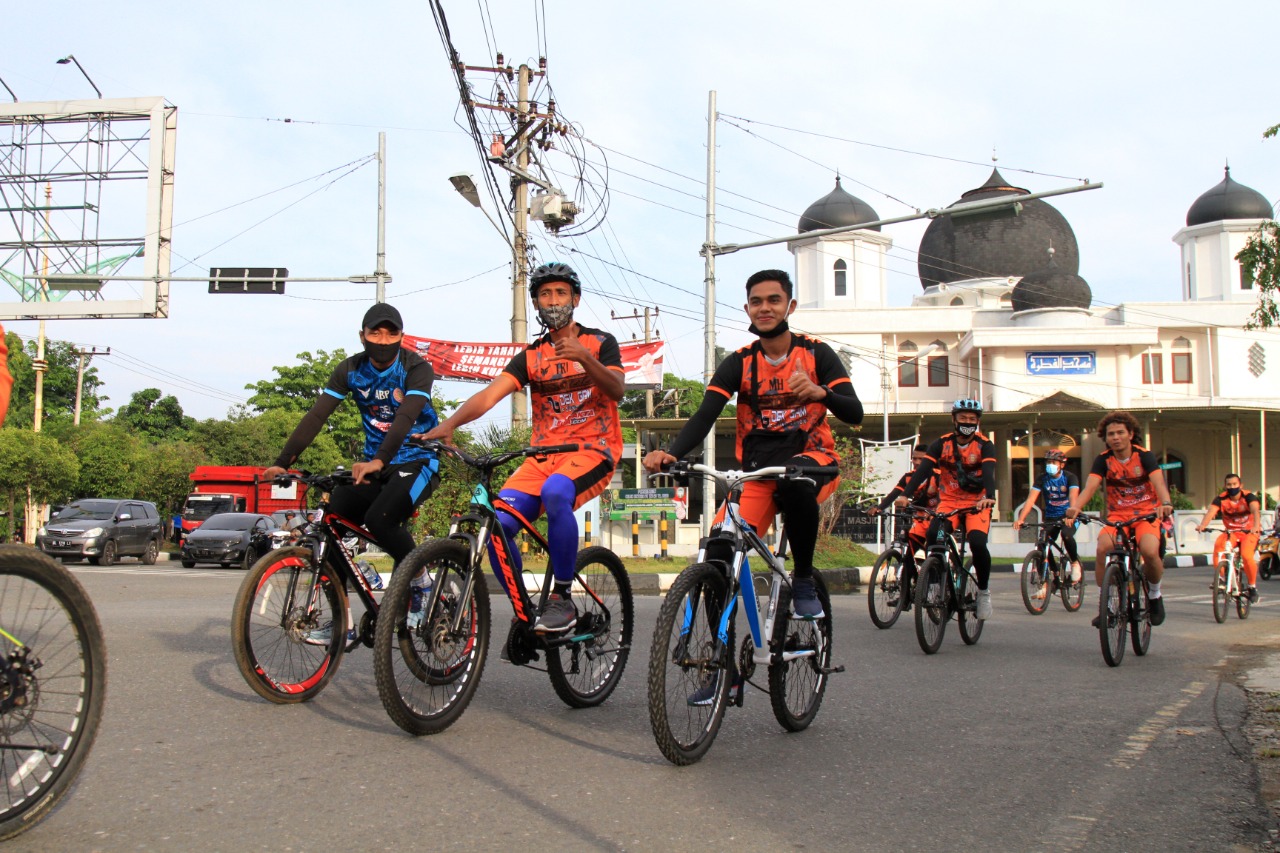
pixel 966 464
pixel 576 379
pixel 392 389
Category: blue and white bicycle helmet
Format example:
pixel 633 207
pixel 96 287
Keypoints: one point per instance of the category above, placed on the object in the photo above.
pixel 965 404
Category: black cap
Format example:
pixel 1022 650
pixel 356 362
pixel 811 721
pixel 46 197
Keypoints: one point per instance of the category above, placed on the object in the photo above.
pixel 380 314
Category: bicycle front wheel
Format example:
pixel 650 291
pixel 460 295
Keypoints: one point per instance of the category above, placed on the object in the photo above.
pixel 587 669
pixel 1242 605
pixel 1220 592
pixel 885 593
pixel 689 669
pixel 970 624
pixel 796 685
pixel 1072 592
pixel 1140 615
pixel 278 626
pixel 53 683
pixel 931 608
pixel 1113 614
pixel 428 662
pixel 1035 583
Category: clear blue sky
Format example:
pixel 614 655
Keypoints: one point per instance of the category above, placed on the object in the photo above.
pixel 1150 99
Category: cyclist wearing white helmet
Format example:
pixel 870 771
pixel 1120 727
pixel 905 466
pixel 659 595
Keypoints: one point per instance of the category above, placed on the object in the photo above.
pixel 965 460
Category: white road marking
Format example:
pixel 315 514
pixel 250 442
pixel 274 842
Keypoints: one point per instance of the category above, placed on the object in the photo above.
pixel 1138 743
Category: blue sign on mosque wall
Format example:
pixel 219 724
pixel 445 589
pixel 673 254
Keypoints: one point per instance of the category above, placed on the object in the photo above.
pixel 1061 363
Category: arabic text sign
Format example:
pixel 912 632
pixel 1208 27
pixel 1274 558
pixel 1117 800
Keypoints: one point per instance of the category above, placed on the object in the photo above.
pixel 1061 363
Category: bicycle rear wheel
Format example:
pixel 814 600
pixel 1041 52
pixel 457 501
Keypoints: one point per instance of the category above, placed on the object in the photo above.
pixel 689 670
pixel 53 683
pixel 427 674
pixel 796 686
pixel 1140 617
pixel 275 622
pixel 1243 604
pixel 1220 592
pixel 886 590
pixel 1035 582
pixel 584 672
pixel 967 616
pixel 932 611
pixel 1072 593
pixel 1113 614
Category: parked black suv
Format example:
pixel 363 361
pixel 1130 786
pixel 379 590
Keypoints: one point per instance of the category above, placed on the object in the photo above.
pixel 102 530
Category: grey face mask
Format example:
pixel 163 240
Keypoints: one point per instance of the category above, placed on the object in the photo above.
pixel 557 316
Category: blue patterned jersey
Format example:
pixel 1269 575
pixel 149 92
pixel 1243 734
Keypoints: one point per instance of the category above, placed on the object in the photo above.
pixel 1057 493
pixel 379 394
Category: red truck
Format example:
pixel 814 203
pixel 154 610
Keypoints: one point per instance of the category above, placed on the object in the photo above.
pixel 233 488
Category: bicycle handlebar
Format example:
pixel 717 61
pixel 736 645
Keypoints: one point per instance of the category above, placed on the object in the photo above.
pixel 772 472
pixel 490 460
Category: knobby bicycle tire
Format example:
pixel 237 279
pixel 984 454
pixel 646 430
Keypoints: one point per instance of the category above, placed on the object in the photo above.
pixel 1220 592
pixel 274 631
pixel 931 607
pixel 1035 582
pixel 428 674
pixel 1113 614
pixel 1072 592
pixel 796 686
pixel 1140 616
pixel 967 613
pixel 684 664
pixel 885 593
pixel 586 671
pixel 47 611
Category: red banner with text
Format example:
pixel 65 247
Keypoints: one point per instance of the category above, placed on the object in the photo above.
pixel 481 362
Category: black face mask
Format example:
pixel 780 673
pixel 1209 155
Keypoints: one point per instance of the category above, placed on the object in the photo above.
pixel 1233 492
pixel 967 430
pixel 381 353
pixel 781 329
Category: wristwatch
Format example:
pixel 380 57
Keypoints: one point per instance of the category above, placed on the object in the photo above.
pixel 826 390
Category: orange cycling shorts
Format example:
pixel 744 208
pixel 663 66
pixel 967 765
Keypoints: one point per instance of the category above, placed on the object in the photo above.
pixel 589 471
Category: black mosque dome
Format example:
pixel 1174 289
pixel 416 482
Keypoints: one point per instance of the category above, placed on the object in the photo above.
pixel 837 209
pixel 1051 287
pixel 1228 200
pixel 994 246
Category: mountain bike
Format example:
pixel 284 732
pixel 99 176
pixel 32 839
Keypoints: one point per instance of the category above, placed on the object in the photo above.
pixel 53 683
pixel 427 673
pixel 945 585
pixel 1047 570
pixel 695 661
pixel 1226 582
pixel 893 575
pixel 290 595
pixel 1124 605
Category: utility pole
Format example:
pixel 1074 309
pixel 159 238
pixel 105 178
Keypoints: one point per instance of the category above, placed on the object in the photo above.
pixel 520 286
pixel 83 354
pixel 380 272
pixel 648 338
pixel 709 322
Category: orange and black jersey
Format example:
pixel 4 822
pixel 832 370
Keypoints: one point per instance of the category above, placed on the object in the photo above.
pixel 568 407
pixel 1128 483
pixel 927 495
pixel 1236 512
pixel 965 472
pixel 766 402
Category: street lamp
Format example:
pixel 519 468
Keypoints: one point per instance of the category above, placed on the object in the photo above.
pixel 466 187
pixel 69 58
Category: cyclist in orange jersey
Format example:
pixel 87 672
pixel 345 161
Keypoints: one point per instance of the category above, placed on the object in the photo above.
pixel 785 384
pixel 576 378
pixel 1241 516
pixel 1134 486
pixel 6 380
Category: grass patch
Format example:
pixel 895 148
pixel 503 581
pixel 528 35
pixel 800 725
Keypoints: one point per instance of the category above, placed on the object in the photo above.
pixel 1268 752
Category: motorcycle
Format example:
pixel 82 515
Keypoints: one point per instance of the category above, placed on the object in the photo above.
pixel 1268 554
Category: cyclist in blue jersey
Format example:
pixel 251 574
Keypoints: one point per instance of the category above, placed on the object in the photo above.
pixel 391 387
pixel 1059 487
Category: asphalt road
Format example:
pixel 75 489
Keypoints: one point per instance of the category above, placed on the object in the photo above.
pixel 1026 741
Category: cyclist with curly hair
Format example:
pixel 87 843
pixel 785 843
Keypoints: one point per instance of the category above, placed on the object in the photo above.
pixel 965 460
pixel 1059 486
pixel 1134 486
pixel 576 378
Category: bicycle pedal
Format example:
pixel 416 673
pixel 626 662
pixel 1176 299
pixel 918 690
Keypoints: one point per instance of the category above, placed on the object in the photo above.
pixel 831 670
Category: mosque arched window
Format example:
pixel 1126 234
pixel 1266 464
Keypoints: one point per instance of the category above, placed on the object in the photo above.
pixel 939 366
pixel 841 274
pixel 908 369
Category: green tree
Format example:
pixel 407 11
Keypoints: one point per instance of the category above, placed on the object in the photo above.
pixel 679 398
pixel 112 461
pixel 59 384
pixel 249 439
pixel 295 389
pixel 155 416
pixel 1260 262
pixel 166 478
pixel 36 466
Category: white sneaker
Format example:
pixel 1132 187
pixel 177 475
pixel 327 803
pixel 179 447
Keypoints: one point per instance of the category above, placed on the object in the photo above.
pixel 984 604
pixel 1076 572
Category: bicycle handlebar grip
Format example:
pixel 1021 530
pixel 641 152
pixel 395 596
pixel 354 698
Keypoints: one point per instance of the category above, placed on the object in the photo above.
pixel 555 448
pixel 814 470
